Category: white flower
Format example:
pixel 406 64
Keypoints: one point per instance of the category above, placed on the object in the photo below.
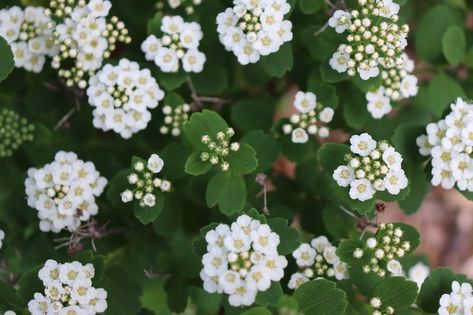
pixel 155 163
pixel 395 181
pixel 418 273
pixel 64 192
pixel 389 8
pixel 409 86
pixel 340 21
pixel 326 115
pixel 251 29
pixel 68 289
pixel 304 255
pixel 180 42
pixel 361 189
pixel 394 267
pixel 121 96
pixel 392 159
pixel 362 144
pixel 339 62
pixel 305 102
pixel 378 104
pixel 99 8
pixel 450 305
pixel 241 260
pixel 299 135
pixel 297 279
pixel 344 175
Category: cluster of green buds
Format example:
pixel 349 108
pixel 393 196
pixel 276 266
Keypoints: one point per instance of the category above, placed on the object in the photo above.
pixel 374 38
pixel 378 307
pixel 383 250
pixel 145 183
pixel 175 118
pixel 80 34
pixel 219 147
pixel 14 130
pixel 188 5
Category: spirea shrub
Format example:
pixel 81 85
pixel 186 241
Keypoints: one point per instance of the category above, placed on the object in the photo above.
pixel 229 157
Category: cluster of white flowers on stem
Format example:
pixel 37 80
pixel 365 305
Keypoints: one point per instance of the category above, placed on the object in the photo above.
pixel 315 260
pixel 457 302
pixel 146 182
pixel 449 143
pixel 254 28
pixel 309 120
pixel 379 309
pixel 241 260
pixel 188 5
pixel 175 118
pixel 64 192
pixel 219 147
pixel 383 250
pixel 121 96
pixel 374 40
pixel 85 36
pixel 30 35
pixel 180 43
pixel 398 84
pixel 372 167
pixel 2 237
pixel 68 290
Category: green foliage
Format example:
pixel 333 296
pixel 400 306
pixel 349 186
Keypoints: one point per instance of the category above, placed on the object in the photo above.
pixel 454 45
pixel 320 297
pixel 6 59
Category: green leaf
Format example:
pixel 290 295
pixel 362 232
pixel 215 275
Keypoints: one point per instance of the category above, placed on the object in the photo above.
pixel 326 93
pixel 7 61
pixel 200 244
pixel 149 214
pixel 432 27
pixel 266 147
pixel 204 123
pixel 419 184
pixel 332 155
pixel 297 152
pixel 404 140
pixel 177 293
pixel 257 311
pixel 310 6
pixel 228 190
pixel 154 25
pixel 329 75
pixel 212 81
pixel 270 296
pixel 280 62
pixel 171 81
pixel 29 284
pixel 242 161
pixel 439 282
pixel 195 166
pixel 9 300
pixel 443 90
pixel 397 292
pixel 454 45
pixel 337 222
pixel 123 294
pixel 320 297
pixel 289 237
pixel 116 186
pixel 253 113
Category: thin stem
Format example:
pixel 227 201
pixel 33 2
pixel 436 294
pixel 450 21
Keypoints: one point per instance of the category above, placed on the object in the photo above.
pixel 330 4
pixel 321 30
pixel 349 213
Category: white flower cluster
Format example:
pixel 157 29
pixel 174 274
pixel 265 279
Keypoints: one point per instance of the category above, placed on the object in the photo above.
pixel 30 36
pixel 64 192
pixel 241 260
pixel 383 250
pixel 450 144
pixel 85 37
pixel 374 40
pixel 145 182
pixel 68 290
pixel 175 118
pixel 309 120
pixel 2 237
pixel 459 301
pixel 121 96
pixel 379 309
pixel 372 167
pixel 180 42
pixel 398 84
pixel 418 273
pixel 219 148
pixel 188 5
pixel 315 260
pixel 254 28
pixel 9 313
